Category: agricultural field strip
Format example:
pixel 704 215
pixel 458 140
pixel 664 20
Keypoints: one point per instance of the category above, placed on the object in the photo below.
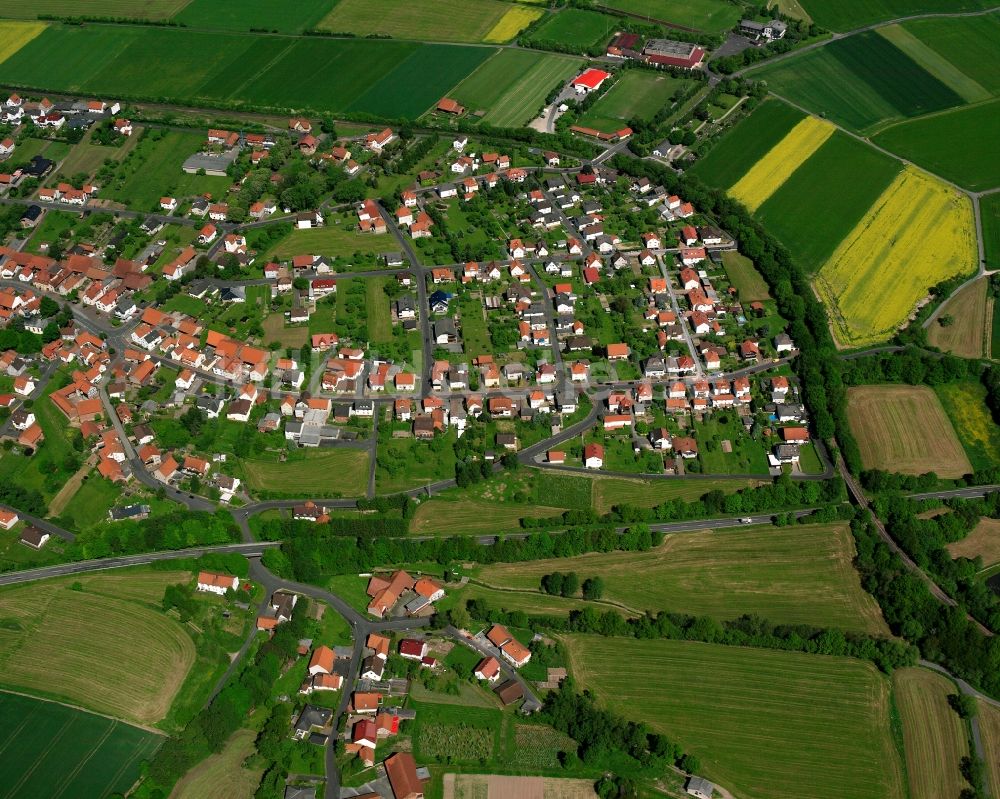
pixel 935 63
pixel 15 35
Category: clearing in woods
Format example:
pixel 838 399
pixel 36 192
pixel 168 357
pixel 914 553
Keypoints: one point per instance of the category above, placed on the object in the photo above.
pixel 934 737
pixel 791 575
pixel 904 429
pixel 970 316
pixel 983 542
pixel 67 643
pixel 766 724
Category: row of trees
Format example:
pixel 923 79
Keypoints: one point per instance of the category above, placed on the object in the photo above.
pixel 559 584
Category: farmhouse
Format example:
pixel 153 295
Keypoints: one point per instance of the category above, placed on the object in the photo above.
pixel 33 537
pixel 217 583
pixel 488 669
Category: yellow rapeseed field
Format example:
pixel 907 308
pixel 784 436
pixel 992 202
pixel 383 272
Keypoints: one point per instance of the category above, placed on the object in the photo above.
pixel 14 35
pixel 512 23
pixel 918 233
pixel 766 176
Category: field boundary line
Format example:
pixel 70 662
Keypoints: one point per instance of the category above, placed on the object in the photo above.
pixel 5 690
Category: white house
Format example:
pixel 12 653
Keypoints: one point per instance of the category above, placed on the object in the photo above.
pixel 217 583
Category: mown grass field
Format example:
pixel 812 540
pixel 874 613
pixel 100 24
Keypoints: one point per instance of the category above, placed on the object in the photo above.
pixel 511 87
pixel 823 200
pixel 611 491
pixel 746 143
pixel 137 9
pixel 765 724
pixel 575 26
pixel 331 240
pixel 970 157
pixel 636 95
pixel 713 16
pixel 52 750
pixel 745 277
pixel 771 171
pixel 934 737
pixel 969 332
pixel 861 82
pixel 420 20
pixel 918 233
pixel 451 517
pixel 983 542
pixel 845 15
pixel 965 404
pixel 15 35
pixel 905 429
pixel 989 727
pixel 792 575
pixel 241 15
pixel 989 212
pixel 68 644
pixel 222 775
pixel 324 471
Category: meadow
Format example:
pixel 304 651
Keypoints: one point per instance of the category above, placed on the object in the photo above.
pixel 419 20
pixel 970 327
pixel 711 16
pixel 575 26
pixel 241 15
pixel 222 775
pixel 934 737
pixel 746 143
pixel 67 643
pixel 780 162
pixel 965 404
pixel 845 15
pixel 989 213
pixel 989 725
pixel 15 35
pixel 765 724
pixel 332 240
pixel 322 472
pixel 456 734
pixel 790 575
pixel 969 158
pixel 918 233
pixel 905 429
pixel 611 491
pixel 983 542
pixel 136 9
pixel 971 44
pixel 861 82
pixel 511 87
pixel 823 200
pixel 637 95
pixel 452 517
pixel 53 750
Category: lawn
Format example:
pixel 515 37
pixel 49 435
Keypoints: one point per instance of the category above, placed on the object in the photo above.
pixel 860 82
pixel 636 95
pixel 765 724
pixel 475 333
pixel 332 471
pixel 845 15
pixel 811 223
pixel 965 404
pixel 969 332
pixel 970 157
pixel 982 542
pixel 68 644
pixel 511 87
pixel 904 429
pixel 989 212
pixel 712 16
pixel 53 750
pixel 746 143
pixel 791 575
pixel 223 775
pixel 136 9
pixel 332 240
pixel 420 20
pixel 934 737
pixel 919 233
pixel 747 281
pixel 379 316
pixel 90 504
pixel 611 491
pixel 576 27
pixel 241 15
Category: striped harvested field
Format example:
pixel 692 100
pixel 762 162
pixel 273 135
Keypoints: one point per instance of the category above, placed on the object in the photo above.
pixel 971 322
pixel 766 176
pixel 905 429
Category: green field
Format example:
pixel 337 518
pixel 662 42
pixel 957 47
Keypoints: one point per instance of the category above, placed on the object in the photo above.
pixel 419 20
pixel 989 210
pixel 930 59
pixel 636 95
pixel 511 87
pixel 713 16
pixel 379 316
pixel 792 575
pixel 971 44
pixel 137 9
pixel 52 750
pixel 860 82
pixel 745 277
pixel 959 145
pixel 319 472
pixel 452 517
pixel 575 26
pixel 823 200
pixel 765 724
pixel 379 77
pixel 845 15
pixel 241 15
pixel 746 143
pixel 332 240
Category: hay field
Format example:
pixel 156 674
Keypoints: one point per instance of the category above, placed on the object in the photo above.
pixel 70 644
pixel 611 491
pixel 765 724
pixel 512 23
pixel 983 541
pixel 766 176
pixel 904 429
pixel 745 277
pixel 321 472
pixel 969 333
pixel 989 727
pixel 15 35
pixel 447 517
pixel 934 737
pixel 918 233
pixel 222 775
pixel 793 575
pixel 420 20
